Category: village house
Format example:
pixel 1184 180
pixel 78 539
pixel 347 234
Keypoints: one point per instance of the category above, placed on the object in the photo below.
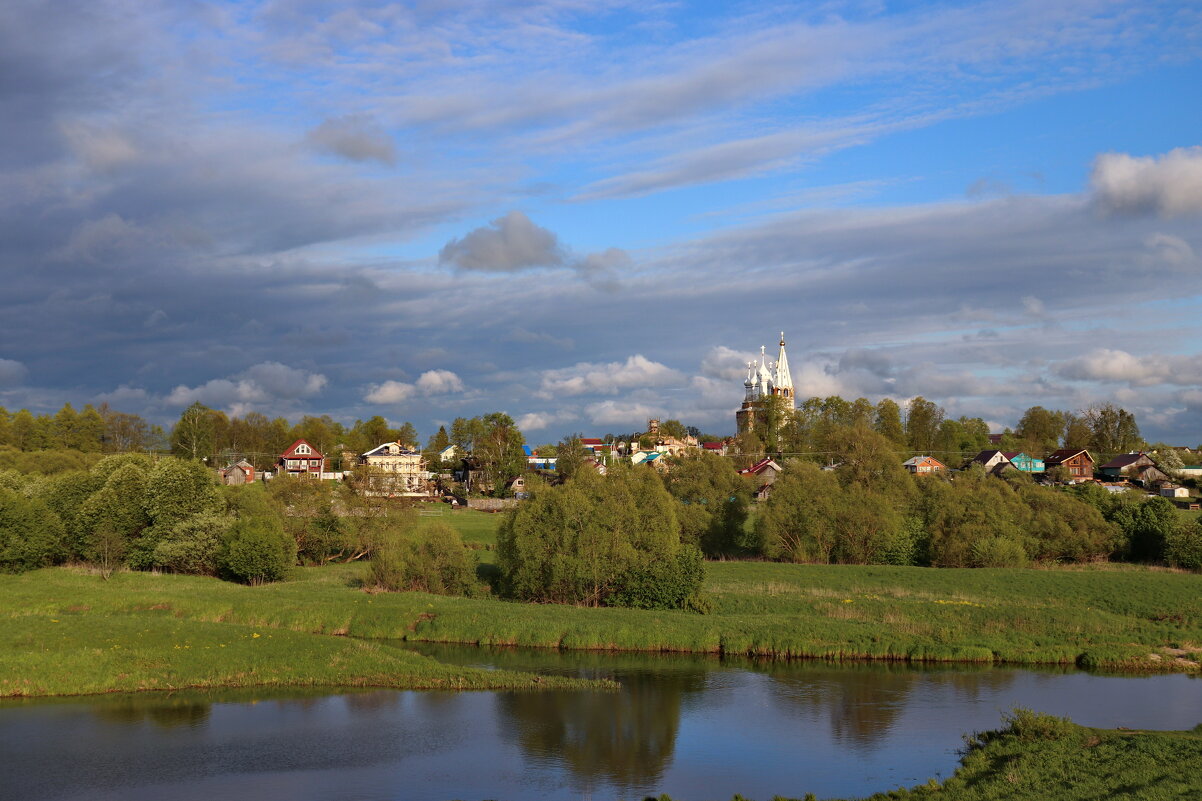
pixel 1076 461
pixel 1025 463
pixel 718 448
pixel 924 465
pixel 449 454
pixel 763 473
pixel 238 473
pixel 395 471
pixel 1126 465
pixel 301 459
pixel 993 461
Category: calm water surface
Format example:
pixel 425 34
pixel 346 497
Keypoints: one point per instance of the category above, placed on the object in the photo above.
pixel 694 727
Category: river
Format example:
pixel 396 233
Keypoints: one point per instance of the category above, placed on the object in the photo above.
pixel 694 727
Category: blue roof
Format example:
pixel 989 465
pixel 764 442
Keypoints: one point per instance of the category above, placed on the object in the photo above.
pixel 526 448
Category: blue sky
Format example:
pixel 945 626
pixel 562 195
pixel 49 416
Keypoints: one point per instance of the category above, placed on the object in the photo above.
pixel 587 214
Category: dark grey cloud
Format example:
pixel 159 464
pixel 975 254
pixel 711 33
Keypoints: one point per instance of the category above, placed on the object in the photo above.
pixel 12 372
pixel 357 137
pixel 505 245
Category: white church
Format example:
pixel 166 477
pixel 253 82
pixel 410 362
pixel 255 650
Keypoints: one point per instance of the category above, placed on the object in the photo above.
pixel 765 379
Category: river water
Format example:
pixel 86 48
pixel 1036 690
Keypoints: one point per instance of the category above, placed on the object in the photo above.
pixel 694 727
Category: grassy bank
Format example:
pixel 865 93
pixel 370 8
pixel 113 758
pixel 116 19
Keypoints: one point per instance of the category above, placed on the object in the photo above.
pixel 1125 618
pixel 1051 759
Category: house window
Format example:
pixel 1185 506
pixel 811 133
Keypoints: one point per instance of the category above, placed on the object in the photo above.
pixel 303 449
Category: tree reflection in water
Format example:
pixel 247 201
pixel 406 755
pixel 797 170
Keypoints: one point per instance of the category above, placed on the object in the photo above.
pixel 863 700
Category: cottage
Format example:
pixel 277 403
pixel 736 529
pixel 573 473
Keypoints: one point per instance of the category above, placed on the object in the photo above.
pixel 449 454
pixel 301 459
pixel 1173 491
pixel 1025 463
pixel 1127 465
pixel 718 448
pixel 240 472
pixel 394 471
pixel 763 473
pixel 924 465
pixel 1076 461
pixel 992 460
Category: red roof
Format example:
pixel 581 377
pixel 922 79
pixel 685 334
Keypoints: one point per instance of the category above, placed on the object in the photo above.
pixel 713 446
pixel 290 453
pixel 761 466
pixel 591 441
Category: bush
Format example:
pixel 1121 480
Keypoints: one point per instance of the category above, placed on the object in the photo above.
pixel 257 550
pixel 31 536
pixel 1183 548
pixel 665 584
pixel 178 489
pixel 432 559
pixel 194 545
pixel 581 542
pixel 998 552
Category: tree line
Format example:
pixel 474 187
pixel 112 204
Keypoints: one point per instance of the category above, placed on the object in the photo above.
pixel 924 427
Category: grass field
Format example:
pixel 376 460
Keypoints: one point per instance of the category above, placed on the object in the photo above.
pixel 57 621
pixel 1051 759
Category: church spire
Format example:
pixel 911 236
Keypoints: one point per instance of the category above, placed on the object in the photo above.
pixel 784 380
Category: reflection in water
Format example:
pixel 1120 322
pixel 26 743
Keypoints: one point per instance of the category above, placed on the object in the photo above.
pixel 863 701
pixel 624 738
pixel 691 727
pixel 165 712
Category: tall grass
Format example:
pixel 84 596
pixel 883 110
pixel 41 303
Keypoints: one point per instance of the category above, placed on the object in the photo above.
pixel 1106 619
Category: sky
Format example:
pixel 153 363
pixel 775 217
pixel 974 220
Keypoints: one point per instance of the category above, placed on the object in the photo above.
pixel 587 214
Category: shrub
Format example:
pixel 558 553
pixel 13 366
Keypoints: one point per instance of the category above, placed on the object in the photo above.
pixel 431 559
pixel 665 583
pixel 1183 547
pixel 194 545
pixel 257 550
pixel 31 536
pixel 998 552
pixel 177 489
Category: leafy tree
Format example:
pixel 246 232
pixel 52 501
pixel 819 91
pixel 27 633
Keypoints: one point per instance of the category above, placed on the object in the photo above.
pixel 584 541
pixel 887 422
pixel 116 509
pixel 123 432
pixel 712 502
pixel 1039 431
pixel 1112 430
pixel 195 433
pixel 431 559
pixel 65 493
pixel 569 455
pixel 499 451
pixel 922 424
pixel 673 428
pixel 31 535
pixel 194 545
pixel 1077 432
pixel 179 488
pixel 1183 547
pixel 257 550
pixel 797 522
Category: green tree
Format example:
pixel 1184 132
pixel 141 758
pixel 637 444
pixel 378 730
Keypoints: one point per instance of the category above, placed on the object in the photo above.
pixel 499 451
pixel 712 502
pixel 797 522
pixel 31 535
pixel 922 424
pixel 583 541
pixel 887 422
pixel 1039 431
pixel 673 428
pixel 179 488
pixel 1077 432
pixel 195 433
pixel 569 455
pixel 432 559
pixel 1112 430
pixel 257 550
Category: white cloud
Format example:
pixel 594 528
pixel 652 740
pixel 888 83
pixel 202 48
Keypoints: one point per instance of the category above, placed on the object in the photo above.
pixel 390 392
pixel 1169 185
pixel 606 379
pixel 726 363
pixel 629 414
pixel 537 421
pixel 12 372
pixel 268 382
pixel 1104 364
pixel 439 382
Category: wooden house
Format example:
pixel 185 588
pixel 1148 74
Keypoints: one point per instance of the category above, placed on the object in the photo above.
pixel 1076 461
pixel 993 461
pixel 1126 465
pixel 763 473
pixel 301 459
pixel 1025 463
pixel 240 472
pixel 924 465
